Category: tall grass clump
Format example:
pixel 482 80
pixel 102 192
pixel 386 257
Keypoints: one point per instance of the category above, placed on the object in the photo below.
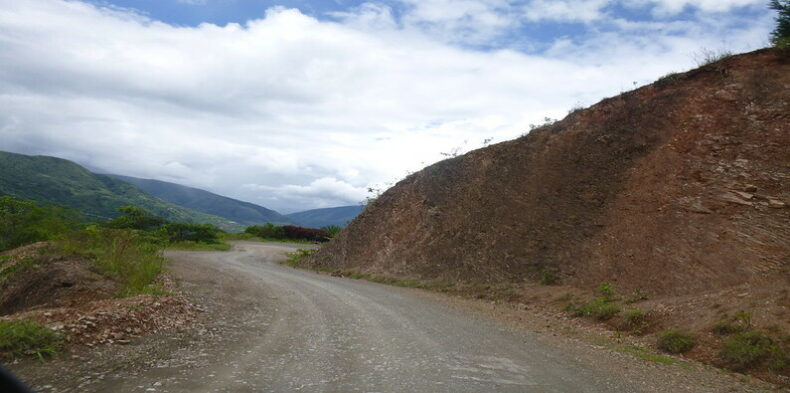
pixel 20 338
pixel 132 257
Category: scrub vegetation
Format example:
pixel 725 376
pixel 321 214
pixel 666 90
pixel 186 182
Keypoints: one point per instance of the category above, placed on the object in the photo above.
pixel 20 338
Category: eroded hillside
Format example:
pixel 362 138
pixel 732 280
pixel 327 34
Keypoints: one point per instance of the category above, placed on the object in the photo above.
pixel 674 188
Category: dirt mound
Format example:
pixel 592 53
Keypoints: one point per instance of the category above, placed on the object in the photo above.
pixel 33 280
pixel 69 296
pixel 674 188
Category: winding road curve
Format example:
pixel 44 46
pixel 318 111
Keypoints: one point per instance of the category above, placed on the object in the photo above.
pixel 271 328
pixel 318 333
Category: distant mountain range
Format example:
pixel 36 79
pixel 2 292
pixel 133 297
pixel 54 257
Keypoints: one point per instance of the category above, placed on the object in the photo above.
pixel 318 218
pixel 50 180
pixel 207 202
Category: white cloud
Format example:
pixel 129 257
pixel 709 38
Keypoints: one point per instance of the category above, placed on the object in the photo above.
pixel 671 7
pixel 566 10
pixel 323 192
pixel 300 106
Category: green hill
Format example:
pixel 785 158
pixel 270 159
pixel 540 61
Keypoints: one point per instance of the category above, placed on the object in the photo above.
pixel 51 180
pixel 207 202
pixel 318 218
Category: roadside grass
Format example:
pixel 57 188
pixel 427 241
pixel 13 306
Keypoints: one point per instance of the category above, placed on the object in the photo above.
pixel 130 257
pixel 641 352
pixel 21 338
pixel 647 354
pixel 199 246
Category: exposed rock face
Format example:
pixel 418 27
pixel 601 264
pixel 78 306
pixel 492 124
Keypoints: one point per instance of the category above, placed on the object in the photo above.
pixel 676 187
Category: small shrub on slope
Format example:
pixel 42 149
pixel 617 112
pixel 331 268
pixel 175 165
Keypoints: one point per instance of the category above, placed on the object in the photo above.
pixel 675 341
pixel 746 350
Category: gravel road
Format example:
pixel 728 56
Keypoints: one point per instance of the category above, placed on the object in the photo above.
pixel 277 329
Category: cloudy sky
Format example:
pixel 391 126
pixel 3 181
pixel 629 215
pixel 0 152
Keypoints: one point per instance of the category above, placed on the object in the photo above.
pixel 299 104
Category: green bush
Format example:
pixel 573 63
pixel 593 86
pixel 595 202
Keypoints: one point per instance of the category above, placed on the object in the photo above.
pixel 19 338
pixel 23 222
pixel 746 350
pixel 606 289
pixel 187 232
pixel 136 218
pixel 675 341
pixel 266 231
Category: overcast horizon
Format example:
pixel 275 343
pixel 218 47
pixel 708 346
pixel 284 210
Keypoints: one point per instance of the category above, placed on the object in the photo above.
pixel 303 104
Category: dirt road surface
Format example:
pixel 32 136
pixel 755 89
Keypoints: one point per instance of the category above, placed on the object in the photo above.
pixel 271 328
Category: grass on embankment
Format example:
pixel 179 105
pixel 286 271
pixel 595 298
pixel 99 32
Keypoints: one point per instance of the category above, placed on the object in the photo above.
pixel 132 258
pixel 20 338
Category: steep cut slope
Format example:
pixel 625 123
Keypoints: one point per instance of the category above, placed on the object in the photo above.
pixel 317 218
pixel 206 202
pixel 51 180
pixel 674 188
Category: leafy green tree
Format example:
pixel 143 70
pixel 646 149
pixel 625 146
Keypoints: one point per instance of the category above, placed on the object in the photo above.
pixel 780 37
pixel 266 231
pixel 136 218
pixel 200 233
pixel 23 222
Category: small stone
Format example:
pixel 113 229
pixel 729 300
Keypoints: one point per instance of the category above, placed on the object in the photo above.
pixel 733 198
pixel 725 95
pixel 744 195
pixel 775 203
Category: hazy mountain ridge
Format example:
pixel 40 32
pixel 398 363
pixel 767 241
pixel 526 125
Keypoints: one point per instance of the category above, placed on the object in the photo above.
pixel 317 218
pixel 206 202
pixel 52 180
